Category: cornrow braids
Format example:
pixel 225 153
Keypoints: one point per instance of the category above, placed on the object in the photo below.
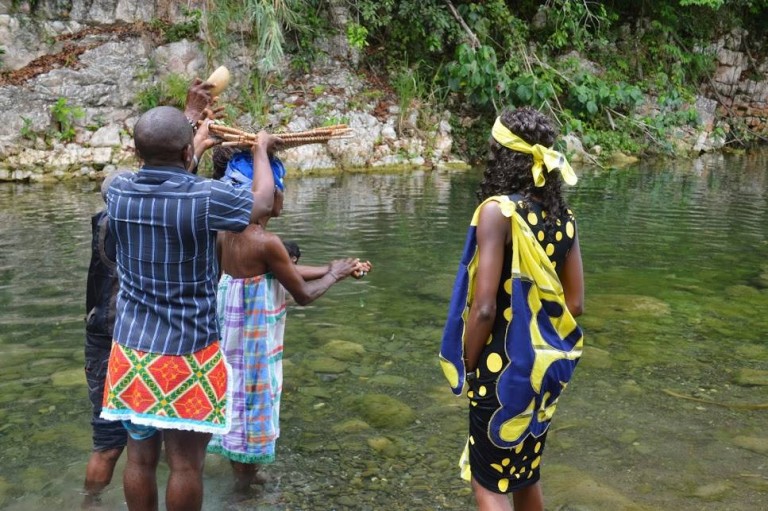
pixel 508 172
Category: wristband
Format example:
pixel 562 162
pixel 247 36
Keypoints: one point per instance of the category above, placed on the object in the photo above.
pixel 196 163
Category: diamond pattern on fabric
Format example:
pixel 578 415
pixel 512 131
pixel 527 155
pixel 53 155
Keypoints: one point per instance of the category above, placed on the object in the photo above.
pixel 169 373
pixel 168 391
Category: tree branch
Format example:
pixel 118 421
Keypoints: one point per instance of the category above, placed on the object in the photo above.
pixel 474 42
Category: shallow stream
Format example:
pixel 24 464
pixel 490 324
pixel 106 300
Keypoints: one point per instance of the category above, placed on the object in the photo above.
pixel 660 414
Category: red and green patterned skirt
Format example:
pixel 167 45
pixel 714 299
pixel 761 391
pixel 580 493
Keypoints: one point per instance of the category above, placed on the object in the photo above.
pixel 186 392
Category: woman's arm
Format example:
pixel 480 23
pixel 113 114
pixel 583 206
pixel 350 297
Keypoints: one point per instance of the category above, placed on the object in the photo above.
pixel 493 235
pixel 304 292
pixel 316 272
pixel 312 272
pixel 263 186
pixel 572 278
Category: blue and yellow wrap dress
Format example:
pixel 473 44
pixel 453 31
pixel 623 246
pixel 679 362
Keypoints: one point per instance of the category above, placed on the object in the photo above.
pixel 531 354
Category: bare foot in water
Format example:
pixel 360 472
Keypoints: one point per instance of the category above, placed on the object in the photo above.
pixel 247 474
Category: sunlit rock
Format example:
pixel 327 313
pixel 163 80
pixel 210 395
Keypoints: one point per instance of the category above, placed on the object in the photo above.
pixel 595 358
pixel 748 377
pixel 752 443
pixel 343 350
pixel 740 290
pixel 389 380
pixel 68 378
pixel 712 491
pixel 583 492
pixel 383 445
pixel 351 426
pixel 327 365
pixel 382 411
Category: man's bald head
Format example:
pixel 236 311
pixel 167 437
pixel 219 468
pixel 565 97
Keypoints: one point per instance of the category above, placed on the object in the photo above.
pixel 162 134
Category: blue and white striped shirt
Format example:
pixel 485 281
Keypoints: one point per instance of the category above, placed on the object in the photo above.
pixel 165 221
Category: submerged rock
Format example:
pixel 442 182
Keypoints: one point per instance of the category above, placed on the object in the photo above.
pixel 632 305
pixel 740 290
pixel 343 350
pixel 712 491
pixel 383 445
pixel 351 426
pixel 583 492
pixel 752 443
pixel 69 378
pixel 389 380
pixel 319 392
pixel 5 489
pixel 748 377
pixel 382 411
pixel 596 358
pixel 327 365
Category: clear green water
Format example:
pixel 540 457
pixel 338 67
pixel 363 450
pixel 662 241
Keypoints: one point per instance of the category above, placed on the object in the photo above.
pixel 673 256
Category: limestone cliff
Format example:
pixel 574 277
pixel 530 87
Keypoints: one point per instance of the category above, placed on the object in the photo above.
pixel 89 60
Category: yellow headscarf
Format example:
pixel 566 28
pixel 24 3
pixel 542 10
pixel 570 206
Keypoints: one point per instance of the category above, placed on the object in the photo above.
pixel 542 156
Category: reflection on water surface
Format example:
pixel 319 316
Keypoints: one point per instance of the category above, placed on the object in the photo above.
pixel 657 416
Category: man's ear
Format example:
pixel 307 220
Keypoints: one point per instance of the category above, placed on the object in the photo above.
pixel 188 155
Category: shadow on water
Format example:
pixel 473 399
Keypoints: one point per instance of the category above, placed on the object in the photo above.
pixel 657 416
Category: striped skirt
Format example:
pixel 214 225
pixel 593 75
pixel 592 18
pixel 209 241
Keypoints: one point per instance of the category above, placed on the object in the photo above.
pixel 251 315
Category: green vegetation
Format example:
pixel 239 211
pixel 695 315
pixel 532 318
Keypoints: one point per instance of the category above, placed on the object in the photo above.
pixel 64 117
pixel 172 90
pixel 26 129
pixel 187 29
pixel 261 24
pixel 619 74
pixel 254 98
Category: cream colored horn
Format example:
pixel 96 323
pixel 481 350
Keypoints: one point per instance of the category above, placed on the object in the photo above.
pixel 219 79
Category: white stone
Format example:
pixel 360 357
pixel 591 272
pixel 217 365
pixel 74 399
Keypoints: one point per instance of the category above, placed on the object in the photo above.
pixel 106 136
pixel 443 143
pixel 182 57
pixel 102 155
pixel 388 132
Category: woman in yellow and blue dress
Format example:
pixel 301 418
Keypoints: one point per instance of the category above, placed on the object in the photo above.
pixel 511 333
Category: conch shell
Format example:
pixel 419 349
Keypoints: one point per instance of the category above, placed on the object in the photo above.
pixel 219 79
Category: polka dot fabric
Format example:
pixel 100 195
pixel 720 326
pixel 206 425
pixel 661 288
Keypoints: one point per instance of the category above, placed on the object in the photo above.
pixel 504 470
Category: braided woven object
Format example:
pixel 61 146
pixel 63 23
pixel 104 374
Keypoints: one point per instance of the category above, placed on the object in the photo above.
pixel 236 137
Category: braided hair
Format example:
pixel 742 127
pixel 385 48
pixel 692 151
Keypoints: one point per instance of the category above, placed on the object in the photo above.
pixel 220 158
pixel 508 172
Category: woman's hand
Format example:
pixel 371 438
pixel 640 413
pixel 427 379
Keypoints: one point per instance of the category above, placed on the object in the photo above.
pixel 340 269
pixel 198 99
pixel 362 269
pixel 270 143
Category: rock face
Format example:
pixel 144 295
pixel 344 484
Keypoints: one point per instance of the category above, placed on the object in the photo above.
pixel 740 83
pixel 96 55
pixel 101 69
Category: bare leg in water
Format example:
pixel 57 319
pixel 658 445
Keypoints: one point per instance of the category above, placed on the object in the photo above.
pixel 140 474
pixel 529 498
pixel 185 452
pixel 98 474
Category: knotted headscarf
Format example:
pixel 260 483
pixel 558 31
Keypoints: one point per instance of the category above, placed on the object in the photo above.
pixel 240 170
pixel 543 157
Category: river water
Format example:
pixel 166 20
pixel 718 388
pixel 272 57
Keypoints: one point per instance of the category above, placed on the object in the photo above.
pixel 660 413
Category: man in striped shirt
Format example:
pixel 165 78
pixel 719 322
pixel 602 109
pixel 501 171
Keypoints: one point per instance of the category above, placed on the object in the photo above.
pixel 167 378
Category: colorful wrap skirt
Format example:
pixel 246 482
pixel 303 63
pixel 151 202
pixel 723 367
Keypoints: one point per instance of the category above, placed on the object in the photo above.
pixel 251 315
pixel 187 392
pixel 526 364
